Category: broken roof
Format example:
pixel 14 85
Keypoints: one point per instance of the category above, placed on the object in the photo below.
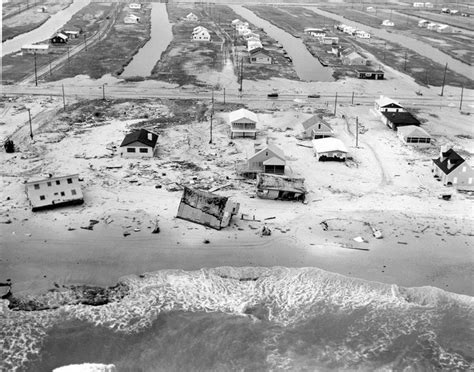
pixel 205 201
pixel 329 144
pixel 142 136
pixel 450 157
pixel 40 179
pixel 242 114
pixel 413 131
pixel 281 183
pixel 401 118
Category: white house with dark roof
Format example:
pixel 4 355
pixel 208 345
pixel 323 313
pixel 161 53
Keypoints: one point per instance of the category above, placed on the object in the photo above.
pixel 329 149
pixel 54 192
pixel 451 169
pixel 243 123
pixel 139 143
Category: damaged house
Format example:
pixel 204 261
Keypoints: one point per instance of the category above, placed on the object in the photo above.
pixel 266 159
pixel 272 186
pixel 206 208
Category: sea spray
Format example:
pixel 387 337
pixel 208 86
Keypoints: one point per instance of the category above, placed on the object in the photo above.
pixel 306 316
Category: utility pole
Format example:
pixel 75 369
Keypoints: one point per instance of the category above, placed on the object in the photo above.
pixel 384 50
pixel 50 73
pixel 36 75
pixel 85 41
pixel 462 93
pixel 224 96
pixel 64 98
pixel 103 91
pixel 357 131
pixel 352 101
pixel 444 79
pixel 212 113
pixel 241 73
pixel 31 128
pixel 405 66
pixel 335 105
pixel 68 55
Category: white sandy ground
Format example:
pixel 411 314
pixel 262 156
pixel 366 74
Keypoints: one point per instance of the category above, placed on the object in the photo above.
pixel 427 241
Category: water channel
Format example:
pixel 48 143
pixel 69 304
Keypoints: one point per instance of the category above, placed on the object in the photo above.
pixel 306 66
pixel 160 36
pixel 46 30
pixel 415 45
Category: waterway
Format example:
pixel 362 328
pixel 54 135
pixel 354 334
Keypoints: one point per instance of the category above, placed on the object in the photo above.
pixel 46 30
pixel 306 66
pixel 150 53
pixel 415 45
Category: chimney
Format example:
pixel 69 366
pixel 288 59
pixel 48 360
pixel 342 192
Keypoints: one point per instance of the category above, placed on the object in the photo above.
pixel 450 164
pixel 442 151
pixel 150 136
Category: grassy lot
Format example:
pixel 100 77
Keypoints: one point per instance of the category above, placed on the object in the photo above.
pixel 114 52
pixel 184 58
pixel 28 18
pixel 454 44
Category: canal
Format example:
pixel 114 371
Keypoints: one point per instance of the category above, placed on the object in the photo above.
pixel 160 36
pixel 415 45
pixel 46 30
pixel 306 66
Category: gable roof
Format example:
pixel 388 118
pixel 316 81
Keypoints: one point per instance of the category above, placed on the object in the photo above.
pixel 274 161
pixel 386 101
pixel 413 131
pixel 61 35
pixel 313 120
pixel 259 51
pixel 329 144
pixel 242 113
pixel 140 136
pixel 282 183
pixel 273 149
pixel 450 157
pixel 401 118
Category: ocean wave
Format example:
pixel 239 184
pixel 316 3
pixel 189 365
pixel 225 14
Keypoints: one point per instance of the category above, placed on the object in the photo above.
pixel 87 367
pixel 379 314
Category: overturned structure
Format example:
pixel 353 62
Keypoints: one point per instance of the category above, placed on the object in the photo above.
pixel 273 186
pixel 206 208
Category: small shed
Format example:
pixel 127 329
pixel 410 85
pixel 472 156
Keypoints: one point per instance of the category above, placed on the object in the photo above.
pixel 370 74
pixel 329 149
pixel 394 120
pixel 413 135
pixel 207 209
pixel 272 186
pixel 388 23
pixel 139 143
pixel 59 38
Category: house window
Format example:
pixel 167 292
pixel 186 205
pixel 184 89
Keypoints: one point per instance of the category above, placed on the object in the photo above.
pixel 73 192
pixel 142 149
pixel 42 197
pixel 37 186
pixel 463 169
pixel 49 184
pixel 455 180
pixel 58 182
pixel 130 149
pixel 69 180
pixel 62 193
pixel 469 181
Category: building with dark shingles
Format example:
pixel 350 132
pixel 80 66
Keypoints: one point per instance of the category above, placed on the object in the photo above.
pixel 139 143
pixel 453 170
pixel 370 74
pixel 394 120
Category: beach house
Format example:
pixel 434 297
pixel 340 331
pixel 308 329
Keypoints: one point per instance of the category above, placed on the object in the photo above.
pixel 388 23
pixel 135 6
pixel 351 58
pixel 423 23
pixel 329 149
pixel 59 38
pixel 131 18
pixel 207 209
pixel 444 28
pixel 273 186
pixel 453 170
pixel 315 127
pixel 139 143
pixel 54 192
pixel 394 120
pixel 260 55
pixel 386 104
pixel 362 34
pixel 35 48
pixel 370 74
pixel 267 158
pixel 191 17
pixel 414 136
pixel 201 33
pixel 243 123
pixel 254 44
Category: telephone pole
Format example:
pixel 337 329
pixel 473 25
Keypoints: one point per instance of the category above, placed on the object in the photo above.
pixel 85 41
pixel 335 105
pixel 224 96
pixel 444 79
pixel 64 98
pixel 36 75
pixel 31 128
pixel 241 73
pixel 357 131
pixel 352 100
pixel 405 66
pixel 462 93
pixel 212 113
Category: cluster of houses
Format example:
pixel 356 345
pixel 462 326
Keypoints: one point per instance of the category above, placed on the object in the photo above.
pixel 256 52
pixel 422 5
pixel 323 35
pixel 132 18
pixel 361 34
pixel 434 26
pixel 60 38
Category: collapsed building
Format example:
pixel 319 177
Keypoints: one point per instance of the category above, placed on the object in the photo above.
pixel 273 186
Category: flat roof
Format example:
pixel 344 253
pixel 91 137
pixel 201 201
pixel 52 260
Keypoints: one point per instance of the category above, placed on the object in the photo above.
pixel 35 46
pixel 401 118
pixel 329 144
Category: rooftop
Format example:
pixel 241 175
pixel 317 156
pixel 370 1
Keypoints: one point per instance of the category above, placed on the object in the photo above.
pixel 141 135
pixel 282 183
pixel 242 113
pixel 329 144
pixel 401 118
pixel 450 157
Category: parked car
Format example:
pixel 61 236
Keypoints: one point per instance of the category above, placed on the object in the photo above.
pixel 314 96
pixel 272 95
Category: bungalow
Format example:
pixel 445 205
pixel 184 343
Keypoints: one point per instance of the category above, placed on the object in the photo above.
pixel 235 22
pixel 394 120
pixel 330 40
pixel 201 33
pixel 314 128
pixel 423 23
pixel 267 159
pixel 351 58
pixel 453 11
pixel 444 28
pixel 413 135
pixel 385 104
pixel 254 44
pixel 59 38
pixel 388 23
pixel 418 5
pixel 206 208
pixel 242 27
pixel 329 149
pixel 445 10
pixel 140 143
pixel 251 36
pixel 35 48
pixel 243 123
pixel 191 17
pixel 316 32
pixel 362 34
pixel 135 6
pixel 54 192
pixel 370 74
pixel 260 55
pixel 453 170
pixel 131 18
pixel 272 186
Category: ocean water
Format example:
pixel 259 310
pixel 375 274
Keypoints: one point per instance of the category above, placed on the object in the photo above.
pixel 249 319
